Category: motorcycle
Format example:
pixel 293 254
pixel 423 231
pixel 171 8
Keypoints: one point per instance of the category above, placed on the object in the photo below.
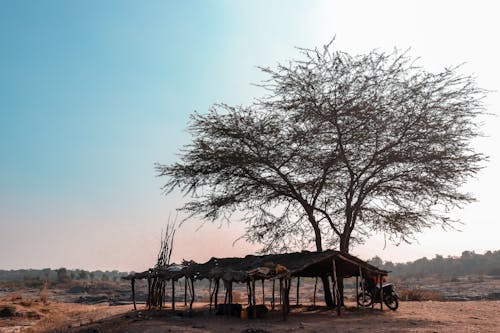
pixel 373 295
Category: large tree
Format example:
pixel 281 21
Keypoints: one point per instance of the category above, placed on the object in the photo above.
pixel 341 147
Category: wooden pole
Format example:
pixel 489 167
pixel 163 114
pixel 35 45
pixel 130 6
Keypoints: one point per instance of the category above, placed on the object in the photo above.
pixel 249 294
pixel 216 294
pixel 281 291
pixel 362 283
pixel 254 299
pixel 210 294
pixel 133 293
pixel 298 286
pixel 357 291
pixel 315 288
pixel 192 295
pixel 286 299
pixel 149 293
pixel 336 287
pixel 381 293
pixel 273 300
pixel 185 292
pixel 231 293
pixel 161 286
pixel 173 295
pixel 263 296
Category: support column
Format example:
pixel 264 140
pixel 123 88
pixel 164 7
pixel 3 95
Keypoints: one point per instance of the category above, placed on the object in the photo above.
pixel 298 286
pixel 362 283
pixel 336 288
pixel 185 292
pixel 210 295
pixel 192 294
pixel 133 293
pixel 173 295
pixel 273 300
pixel 263 295
pixel 216 294
pixel 381 293
pixel 357 291
pixel 254 299
pixel 315 288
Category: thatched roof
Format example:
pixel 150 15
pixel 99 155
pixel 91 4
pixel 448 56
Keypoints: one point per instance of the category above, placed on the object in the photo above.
pixel 306 264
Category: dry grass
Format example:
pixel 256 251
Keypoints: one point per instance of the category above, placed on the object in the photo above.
pixel 417 294
pixel 44 296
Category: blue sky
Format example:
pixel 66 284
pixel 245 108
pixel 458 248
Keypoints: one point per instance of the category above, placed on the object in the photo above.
pixel 93 93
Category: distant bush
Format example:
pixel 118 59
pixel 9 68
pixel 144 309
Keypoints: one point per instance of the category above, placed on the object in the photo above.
pixel 469 263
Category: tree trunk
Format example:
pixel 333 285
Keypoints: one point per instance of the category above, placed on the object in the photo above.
pixel 324 278
pixel 344 248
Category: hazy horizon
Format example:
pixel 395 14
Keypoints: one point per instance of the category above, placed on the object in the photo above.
pixel 93 94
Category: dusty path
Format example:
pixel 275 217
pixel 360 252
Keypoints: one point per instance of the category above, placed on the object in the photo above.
pixel 456 317
pixel 474 316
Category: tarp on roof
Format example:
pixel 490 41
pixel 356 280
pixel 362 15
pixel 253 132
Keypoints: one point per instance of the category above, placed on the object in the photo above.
pixel 303 264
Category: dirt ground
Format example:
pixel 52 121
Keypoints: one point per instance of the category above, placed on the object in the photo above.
pixel 429 316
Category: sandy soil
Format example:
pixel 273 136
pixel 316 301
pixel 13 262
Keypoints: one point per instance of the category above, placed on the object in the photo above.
pixel 472 316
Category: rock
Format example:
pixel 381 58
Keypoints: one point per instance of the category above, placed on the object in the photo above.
pixel 7 311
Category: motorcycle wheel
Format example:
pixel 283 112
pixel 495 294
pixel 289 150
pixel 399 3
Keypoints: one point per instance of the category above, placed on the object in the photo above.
pixel 367 301
pixel 392 302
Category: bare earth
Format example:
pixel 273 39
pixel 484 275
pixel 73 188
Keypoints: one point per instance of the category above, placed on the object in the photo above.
pixel 429 316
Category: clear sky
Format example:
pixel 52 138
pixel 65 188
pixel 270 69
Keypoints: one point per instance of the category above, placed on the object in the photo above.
pixel 93 93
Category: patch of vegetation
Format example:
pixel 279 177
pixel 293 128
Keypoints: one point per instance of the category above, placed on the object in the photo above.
pixel 469 263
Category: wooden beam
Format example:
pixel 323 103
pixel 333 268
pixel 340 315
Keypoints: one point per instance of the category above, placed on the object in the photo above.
pixel 263 296
pixel 173 295
pixel 357 291
pixel 336 288
pixel 298 286
pixel 210 294
pixel 273 300
pixel 192 294
pixel 133 293
pixel 185 292
pixel 216 293
pixel 254 299
pixel 381 293
pixel 362 284
pixel 315 288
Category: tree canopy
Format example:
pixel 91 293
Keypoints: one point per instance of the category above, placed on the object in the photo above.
pixel 340 147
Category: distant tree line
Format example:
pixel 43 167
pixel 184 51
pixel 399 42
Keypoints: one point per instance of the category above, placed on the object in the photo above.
pixel 469 263
pixel 60 275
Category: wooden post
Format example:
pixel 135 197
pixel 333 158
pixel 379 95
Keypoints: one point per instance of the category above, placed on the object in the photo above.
pixel 357 291
pixel 315 288
pixel 216 294
pixel 286 300
pixel 163 293
pixel 185 292
pixel 281 291
pixel 160 285
pixel 249 294
pixel 173 295
pixel 133 293
pixel 381 292
pixel 362 284
pixel 263 296
pixel 254 299
pixel 210 295
pixel 298 286
pixel 192 295
pixel 149 293
pixel 273 300
pixel 336 287
pixel 230 294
